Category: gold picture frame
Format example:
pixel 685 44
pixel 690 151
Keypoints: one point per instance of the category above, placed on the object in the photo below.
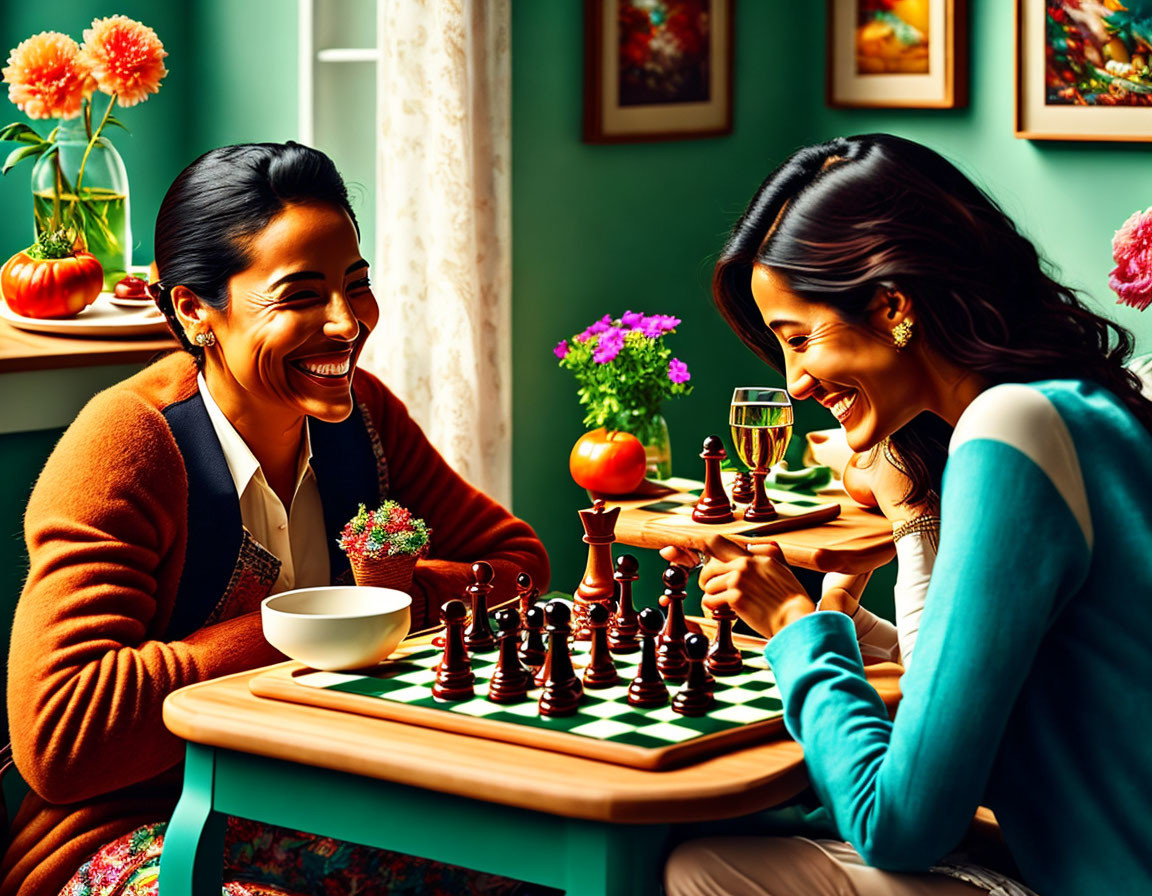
pixel 912 55
pixel 632 93
pixel 1079 88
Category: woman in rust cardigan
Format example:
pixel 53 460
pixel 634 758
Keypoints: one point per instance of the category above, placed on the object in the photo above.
pixel 184 495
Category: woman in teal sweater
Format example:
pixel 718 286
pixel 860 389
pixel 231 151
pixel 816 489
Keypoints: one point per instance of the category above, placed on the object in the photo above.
pixel 889 288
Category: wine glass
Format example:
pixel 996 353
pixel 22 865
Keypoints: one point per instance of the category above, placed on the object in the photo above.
pixel 761 421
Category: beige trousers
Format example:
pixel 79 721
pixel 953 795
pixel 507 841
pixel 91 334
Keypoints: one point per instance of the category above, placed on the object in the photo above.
pixel 791 866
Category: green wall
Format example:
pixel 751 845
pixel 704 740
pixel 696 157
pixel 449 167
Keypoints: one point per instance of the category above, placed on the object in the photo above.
pixel 600 229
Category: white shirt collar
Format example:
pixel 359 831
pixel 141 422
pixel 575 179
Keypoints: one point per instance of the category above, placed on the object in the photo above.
pixel 242 463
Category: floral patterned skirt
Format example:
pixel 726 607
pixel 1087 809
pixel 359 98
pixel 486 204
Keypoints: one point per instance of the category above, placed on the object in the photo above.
pixel 263 860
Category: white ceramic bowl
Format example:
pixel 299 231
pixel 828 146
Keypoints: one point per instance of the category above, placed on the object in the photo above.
pixel 338 626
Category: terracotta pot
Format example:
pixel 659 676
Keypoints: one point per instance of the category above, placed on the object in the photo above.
pixel 384 572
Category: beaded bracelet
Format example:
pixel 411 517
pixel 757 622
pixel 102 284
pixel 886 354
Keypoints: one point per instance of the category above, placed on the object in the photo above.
pixel 927 523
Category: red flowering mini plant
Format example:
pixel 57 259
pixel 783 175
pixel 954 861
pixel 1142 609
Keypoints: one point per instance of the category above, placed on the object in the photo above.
pixel 1131 279
pixel 383 545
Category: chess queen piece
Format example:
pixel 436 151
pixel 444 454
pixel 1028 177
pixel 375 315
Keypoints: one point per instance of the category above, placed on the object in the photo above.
pixel 647 688
pixel 696 697
pixel 562 688
pixel 670 657
pixel 623 628
pixel 713 506
pixel 478 636
pixel 454 678
pixel 598 585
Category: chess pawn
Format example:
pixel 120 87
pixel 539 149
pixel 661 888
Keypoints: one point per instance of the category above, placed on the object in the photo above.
pixel 670 656
pixel 526 594
pixel 713 506
pixel 562 688
pixel 742 488
pixel 510 681
pixel 724 657
pixel 623 628
pixel 533 650
pixel 597 586
pixel 478 635
pixel 695 698
pixel 601 671
pixel 454 678
pixel 647 688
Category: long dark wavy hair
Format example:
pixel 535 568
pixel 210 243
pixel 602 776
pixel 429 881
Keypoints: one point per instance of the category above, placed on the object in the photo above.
pixel 843 219
pixel 216 206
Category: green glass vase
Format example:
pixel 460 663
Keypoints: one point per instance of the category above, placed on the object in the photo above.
pixel 99 209
pixel 657 448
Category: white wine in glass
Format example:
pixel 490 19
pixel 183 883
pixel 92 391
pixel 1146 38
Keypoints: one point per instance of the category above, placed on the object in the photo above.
pixel 761 420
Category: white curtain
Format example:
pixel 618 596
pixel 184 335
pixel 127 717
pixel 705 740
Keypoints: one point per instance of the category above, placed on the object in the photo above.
pixel 443 255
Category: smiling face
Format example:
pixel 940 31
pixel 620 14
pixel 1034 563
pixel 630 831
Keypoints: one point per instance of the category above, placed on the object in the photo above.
pixel 296 322
pixel 852 369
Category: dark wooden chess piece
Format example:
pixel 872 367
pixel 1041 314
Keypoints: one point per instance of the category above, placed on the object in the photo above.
pixel 648 688
pixel 695 698
pixel 713 505
pixel 478 636
pixel 532 649
pixel 724 657
pixel 562 688
pixel 670 656
pixel 527 594
pixel 601 671
pixel 623 628
pixel 510 680
pixel 454 678
pixel 742 488
pixel 761 510
pixel 597 586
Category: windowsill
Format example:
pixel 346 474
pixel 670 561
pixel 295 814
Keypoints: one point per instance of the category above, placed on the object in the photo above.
pixel 21 351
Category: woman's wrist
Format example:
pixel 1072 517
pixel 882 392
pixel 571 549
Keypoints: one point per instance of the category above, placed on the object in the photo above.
pixel 790 610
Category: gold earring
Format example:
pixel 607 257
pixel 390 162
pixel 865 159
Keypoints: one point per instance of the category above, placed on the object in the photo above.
pixel 206 339
pixel 902 334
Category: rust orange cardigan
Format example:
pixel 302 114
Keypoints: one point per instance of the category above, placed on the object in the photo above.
pixel 142 580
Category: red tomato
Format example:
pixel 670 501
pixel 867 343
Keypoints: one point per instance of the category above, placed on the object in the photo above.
pixel 131 288
pixel 610 463
pixel 51 287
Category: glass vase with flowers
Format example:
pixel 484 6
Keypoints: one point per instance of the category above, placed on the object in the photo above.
pixel 625 372
pixel 79 182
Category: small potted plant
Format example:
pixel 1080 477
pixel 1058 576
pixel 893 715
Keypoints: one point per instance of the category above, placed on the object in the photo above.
pixel 383 545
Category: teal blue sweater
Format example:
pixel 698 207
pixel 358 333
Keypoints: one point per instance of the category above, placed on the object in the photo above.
pixel 1031 687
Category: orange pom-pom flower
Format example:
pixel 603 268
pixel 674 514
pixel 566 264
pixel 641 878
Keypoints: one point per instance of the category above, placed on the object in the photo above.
pixel 46 76
pixel 126 58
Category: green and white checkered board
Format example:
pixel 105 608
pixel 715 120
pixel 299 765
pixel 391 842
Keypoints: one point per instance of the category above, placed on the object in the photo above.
pixel 683 501
pixel 747 708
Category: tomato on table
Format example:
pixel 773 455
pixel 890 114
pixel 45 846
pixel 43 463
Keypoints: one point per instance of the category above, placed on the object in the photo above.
pixel 609 462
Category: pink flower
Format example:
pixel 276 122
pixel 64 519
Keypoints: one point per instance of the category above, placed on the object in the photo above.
pixel 633 320
pixel 659 325
pixel 608 346
pixel 46 76
pixel 561 350
pixel 1131 279
pixel 678 371
pixel 126 58
pixel 601 326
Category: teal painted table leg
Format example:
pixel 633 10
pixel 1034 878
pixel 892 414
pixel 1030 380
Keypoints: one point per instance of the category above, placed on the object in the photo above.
pixel 190 864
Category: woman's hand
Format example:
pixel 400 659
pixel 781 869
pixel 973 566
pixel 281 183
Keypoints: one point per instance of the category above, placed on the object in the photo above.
pixel 755 582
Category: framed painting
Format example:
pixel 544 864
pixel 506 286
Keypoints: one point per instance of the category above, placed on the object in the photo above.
pixel 657 69
pixel 898 53
pixel 1083 70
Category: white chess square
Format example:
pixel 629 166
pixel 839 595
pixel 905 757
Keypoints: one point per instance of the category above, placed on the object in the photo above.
pixel 669 732
pixel 410 694
pixel 740 714
pixel 602 729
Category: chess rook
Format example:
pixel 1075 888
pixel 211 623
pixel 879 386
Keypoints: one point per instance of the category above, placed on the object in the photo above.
pixel 623 628
pixel 724 657
pixel 562 688
pixel 510 680
pixel 713 506
pixel 454 678
pixel 478 636
pixel 532 649
pixel 670 656
pixel 647 688
pixel 601 671
pixel 597 586
pixel 695 698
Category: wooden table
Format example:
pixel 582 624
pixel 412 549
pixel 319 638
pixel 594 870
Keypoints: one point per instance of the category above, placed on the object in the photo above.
pixel 583 826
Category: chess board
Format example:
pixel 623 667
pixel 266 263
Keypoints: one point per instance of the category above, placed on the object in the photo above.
pixel 605 727
pixel 664 516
